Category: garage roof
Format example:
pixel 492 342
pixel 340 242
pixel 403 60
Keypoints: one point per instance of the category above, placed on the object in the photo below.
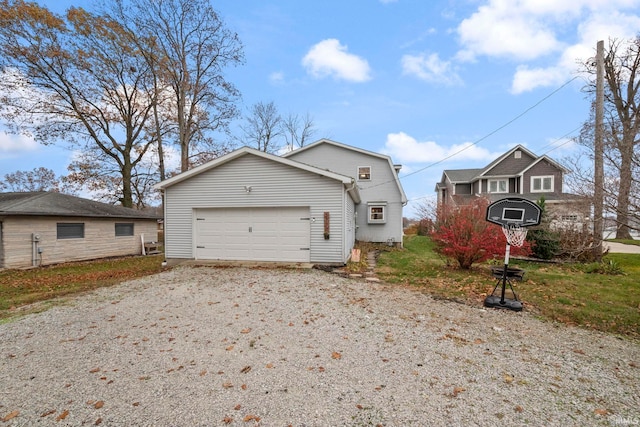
pixel 346 180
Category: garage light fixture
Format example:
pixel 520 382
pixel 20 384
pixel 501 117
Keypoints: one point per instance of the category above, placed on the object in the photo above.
pixel 247 188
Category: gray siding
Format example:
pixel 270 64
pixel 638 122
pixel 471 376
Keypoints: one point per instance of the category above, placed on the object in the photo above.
pixel 510 165
pixel 272 184
pixel 99 240
pixel 381 188
pixel 543 168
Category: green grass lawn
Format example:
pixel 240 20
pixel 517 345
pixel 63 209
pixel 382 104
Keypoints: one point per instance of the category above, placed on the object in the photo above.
pixel 568 293
pixel 19 288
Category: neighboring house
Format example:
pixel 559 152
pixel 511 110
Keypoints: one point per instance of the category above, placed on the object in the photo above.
pixel 253 206
pixel 39 228
pixel 517 173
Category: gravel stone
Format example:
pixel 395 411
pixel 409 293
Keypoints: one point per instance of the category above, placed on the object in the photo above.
pixel 202 346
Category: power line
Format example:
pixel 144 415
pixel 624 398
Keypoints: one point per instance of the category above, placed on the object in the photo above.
pixel 466 147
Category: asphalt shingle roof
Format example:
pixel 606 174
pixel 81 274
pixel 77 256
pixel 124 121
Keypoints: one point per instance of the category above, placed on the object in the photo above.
pixel 44 203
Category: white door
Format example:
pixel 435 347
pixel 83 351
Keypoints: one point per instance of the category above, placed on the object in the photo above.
pixel 253 234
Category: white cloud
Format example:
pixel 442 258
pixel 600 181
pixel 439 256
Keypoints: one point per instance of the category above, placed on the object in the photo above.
pixel 13 144
pixel 406 149
pixel 430 68
pixel 277 77
pixel 329 58
pixel 526 30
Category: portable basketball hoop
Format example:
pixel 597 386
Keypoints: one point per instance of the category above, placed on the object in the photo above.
pixel 514 215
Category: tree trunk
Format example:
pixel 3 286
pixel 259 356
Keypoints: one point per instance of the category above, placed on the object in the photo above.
pixel 624 192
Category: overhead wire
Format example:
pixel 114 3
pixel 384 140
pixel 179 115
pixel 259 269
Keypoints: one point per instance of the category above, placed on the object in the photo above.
pixel 476 142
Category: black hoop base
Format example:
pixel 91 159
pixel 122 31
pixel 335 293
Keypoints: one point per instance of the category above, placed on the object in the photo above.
pixel 495 301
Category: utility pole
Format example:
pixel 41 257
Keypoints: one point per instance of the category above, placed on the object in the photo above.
pixel 598 189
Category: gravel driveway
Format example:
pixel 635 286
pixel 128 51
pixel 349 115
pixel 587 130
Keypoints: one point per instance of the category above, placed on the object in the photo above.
pixel 272 347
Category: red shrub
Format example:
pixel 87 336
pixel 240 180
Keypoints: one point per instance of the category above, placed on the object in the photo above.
pixel 463 234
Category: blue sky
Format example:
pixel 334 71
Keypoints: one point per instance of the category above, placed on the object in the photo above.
pixel 417 80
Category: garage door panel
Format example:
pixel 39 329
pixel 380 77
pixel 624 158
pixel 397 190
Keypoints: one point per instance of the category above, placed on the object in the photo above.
pixel 260 234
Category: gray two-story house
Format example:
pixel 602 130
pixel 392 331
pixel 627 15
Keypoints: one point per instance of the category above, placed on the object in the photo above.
pixel 307 206
pixel 517 173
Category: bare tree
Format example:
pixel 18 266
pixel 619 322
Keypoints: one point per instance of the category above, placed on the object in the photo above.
pixel 298 130
pixel 622 123
pixel 77 78
pixel 263 127
pixel 188 47
pixel 38 179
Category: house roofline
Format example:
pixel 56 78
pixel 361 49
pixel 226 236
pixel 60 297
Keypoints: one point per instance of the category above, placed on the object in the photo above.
pixel 249 151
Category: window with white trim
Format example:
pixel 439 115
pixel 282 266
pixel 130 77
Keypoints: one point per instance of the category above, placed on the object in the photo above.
pixel 364 173
pixel 542 184
pixel 377 213
pixel 498 186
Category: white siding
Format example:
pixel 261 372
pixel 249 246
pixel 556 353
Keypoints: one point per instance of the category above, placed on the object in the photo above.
pixel 272 184
pixel 381 188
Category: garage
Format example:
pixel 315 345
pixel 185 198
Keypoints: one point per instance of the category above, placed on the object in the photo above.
pixel 253 234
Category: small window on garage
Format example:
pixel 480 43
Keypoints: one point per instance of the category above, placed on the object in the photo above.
pixel 364 173
pixel 124 229
pixel 70 230
pixel 377 213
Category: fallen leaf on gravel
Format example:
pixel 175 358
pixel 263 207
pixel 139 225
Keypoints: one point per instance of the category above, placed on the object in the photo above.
pixel 94 370
pixel 227 385
pixel 519 408
pixel 359 406
pixel 229 348
pixel 237 407
pixel 227 420
pixel 336 355
pixel 320 369
pixel 98 422
pixel 63 415
pixel 136 403
pixel 269 365
pixel 99 404
pixel 251 418
pixel 245 369
pixel 601 411
pixel 458 390
pixel 203 373
pixel 10 416
pixel 478 341
pixel 245 331
pixel 243 386
pixel 46 414
pixel 508 379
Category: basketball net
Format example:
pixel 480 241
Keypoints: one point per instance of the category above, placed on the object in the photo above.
pixel 515 234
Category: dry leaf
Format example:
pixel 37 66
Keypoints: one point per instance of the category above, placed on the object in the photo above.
pixel 99 404
pixel 269 365
pixel 519 408
pixel 227 385
pixel 336 355
pixel 601 411
pixel 229 348
pixel 98 422
pixel 245 369
pixel 46 414
pixel 203 373
pixel 251 418
pixel 94 370
pixel 245 331
pixel 243 386
pixel 458 390
pixel 508 379
pixel 320 369
pixel 136 403
pixel 63 415
pixel 237 407
pixel 227 420
pixel 10 416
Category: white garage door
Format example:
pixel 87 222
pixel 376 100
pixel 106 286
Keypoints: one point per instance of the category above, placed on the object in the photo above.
pixel 253 234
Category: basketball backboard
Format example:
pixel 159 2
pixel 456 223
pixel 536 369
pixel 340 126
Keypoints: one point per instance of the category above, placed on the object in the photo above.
pixel 514 211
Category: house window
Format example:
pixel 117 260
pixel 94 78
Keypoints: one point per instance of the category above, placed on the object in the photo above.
pixel 364 173
pixel 70 230
pixel 569 218
pixel 377 213
pixel 498 186
pixel 540 184
pixel 124 229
